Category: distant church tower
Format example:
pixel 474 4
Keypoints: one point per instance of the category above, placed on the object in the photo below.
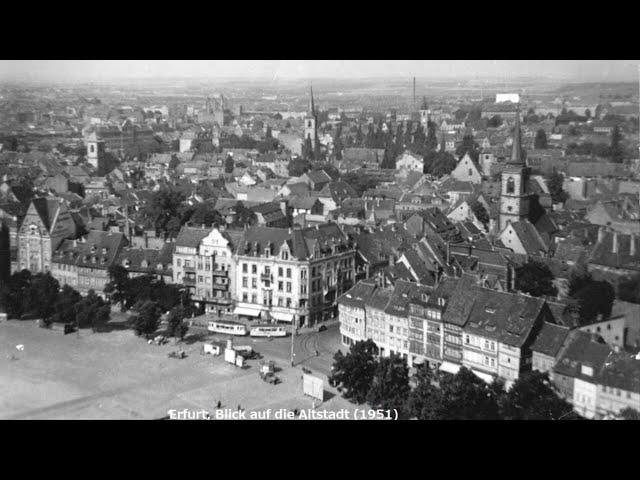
pixel 95 150
pixel 310 122
pixel 424 113
pixel 514 197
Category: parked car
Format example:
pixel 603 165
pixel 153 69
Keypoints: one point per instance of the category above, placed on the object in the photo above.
pixel 322 328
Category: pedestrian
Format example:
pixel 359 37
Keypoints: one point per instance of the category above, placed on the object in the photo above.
pixel 295 412
pixel 239 407
pixel 317 353
pixel 219 404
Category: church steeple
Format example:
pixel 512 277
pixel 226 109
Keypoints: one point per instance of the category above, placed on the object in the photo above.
pixel 312 107
pixel 516 151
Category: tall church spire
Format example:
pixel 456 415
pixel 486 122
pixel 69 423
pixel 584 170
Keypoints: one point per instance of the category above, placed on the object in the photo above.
pixel 516 152
pixel 313 108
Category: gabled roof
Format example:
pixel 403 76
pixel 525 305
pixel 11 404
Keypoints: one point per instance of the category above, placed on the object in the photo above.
pixel 550 339
pixel 531 240
pixel 191 236
pixel 582 349
pixel 47 208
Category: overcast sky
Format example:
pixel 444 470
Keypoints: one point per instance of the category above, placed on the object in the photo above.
pixel 80 70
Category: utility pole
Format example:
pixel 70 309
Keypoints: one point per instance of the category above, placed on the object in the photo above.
pixel 293 333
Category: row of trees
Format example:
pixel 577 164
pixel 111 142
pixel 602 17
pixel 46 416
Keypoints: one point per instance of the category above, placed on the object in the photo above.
pixel 384 383
pixel 168 211
pixel 40 296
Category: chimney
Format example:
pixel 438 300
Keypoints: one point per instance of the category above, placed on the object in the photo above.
pixel 614 247
pixel 601 231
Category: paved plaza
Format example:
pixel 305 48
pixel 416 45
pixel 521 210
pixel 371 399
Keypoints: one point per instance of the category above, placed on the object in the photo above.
pixel 117 375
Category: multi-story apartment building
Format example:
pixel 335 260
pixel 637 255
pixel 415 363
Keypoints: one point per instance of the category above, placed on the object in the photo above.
pixel 204 262
pixel 84 263
pixel 352 311
pixel 499 332
pixel 293 275
pixel 46 224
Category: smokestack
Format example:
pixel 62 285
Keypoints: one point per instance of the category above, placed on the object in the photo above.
pixel 614 247
pixel 632 245
pixel 414 93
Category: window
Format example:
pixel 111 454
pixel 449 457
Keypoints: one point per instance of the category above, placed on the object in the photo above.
pixel 254 283
pixel 390 328
pixel 254 269
pixel 279 271
pixel 245 268
pixel 244 297
pixel 288 273
pixel 267 270
pixel 470 172
pixel 511 185
pixel 608 326
pixel 466 339
pixel 288 302
pixel 285 255
pixel 280 286
pixel 288 287
pixel 254 298
pixel 279 301
pixel 245 282
pixel 179 262
pixel 200 280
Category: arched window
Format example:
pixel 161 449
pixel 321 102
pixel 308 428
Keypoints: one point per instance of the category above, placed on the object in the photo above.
pixel 511 185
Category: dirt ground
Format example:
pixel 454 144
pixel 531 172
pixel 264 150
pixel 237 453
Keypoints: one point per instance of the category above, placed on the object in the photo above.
pixel 117 375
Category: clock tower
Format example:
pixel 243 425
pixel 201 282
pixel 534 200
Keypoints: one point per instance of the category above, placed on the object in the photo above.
pixel 514 196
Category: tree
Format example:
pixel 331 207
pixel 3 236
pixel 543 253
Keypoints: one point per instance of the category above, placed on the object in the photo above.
pixel 298 167
pixel 424 401
pixel 147 320
pixel 555 183
pixel 268 134
pixel 353 373
pixel 629 414
pixel 431 143
pixel 41 296
pixel 174 321
pixel 469 146
pixel 228 164
pixel 594 297
pixel 390 385
pixel 536 279
pixel 92 311
pixel 462 396
pixel 495 121
pixel 206 214
pixel 117 287
pixel 360 182
pixel 480 212
pixel 617 153
pixel 244 216
pixel 65 306
pixel 534 397
pixel 629 289
pixel 540 141
pixel 443 164
pixel 174 162
pixel 587 113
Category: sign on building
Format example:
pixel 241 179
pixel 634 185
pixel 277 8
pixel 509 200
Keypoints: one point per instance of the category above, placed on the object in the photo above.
pixel 507 97
pixel 313 386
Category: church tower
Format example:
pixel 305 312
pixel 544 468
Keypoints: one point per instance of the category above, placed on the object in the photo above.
pixel 424 113
pixel 95 150
pixel 310 122
pixel 514 197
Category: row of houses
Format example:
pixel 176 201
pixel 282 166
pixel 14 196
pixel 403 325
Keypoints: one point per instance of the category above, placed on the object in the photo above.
pixel 495 334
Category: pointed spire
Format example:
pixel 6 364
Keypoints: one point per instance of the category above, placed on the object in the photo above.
pixel 516 156
pixel 313 108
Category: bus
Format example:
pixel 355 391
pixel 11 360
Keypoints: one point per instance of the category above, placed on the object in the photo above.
pixel 228 327
pixel 268 331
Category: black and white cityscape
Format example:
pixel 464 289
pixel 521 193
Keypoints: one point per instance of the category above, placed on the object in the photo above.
pixel 320 240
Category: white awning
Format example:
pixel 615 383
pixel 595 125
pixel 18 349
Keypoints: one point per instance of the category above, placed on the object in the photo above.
pixel 282 317
pixel 247 311
pixel 484 376
pixel 449 367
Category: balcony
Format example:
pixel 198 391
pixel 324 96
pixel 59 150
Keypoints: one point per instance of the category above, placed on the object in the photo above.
pixel 220 273
pixel 190 281
pixel 220 286
pixel 191 268
pixel 266 277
